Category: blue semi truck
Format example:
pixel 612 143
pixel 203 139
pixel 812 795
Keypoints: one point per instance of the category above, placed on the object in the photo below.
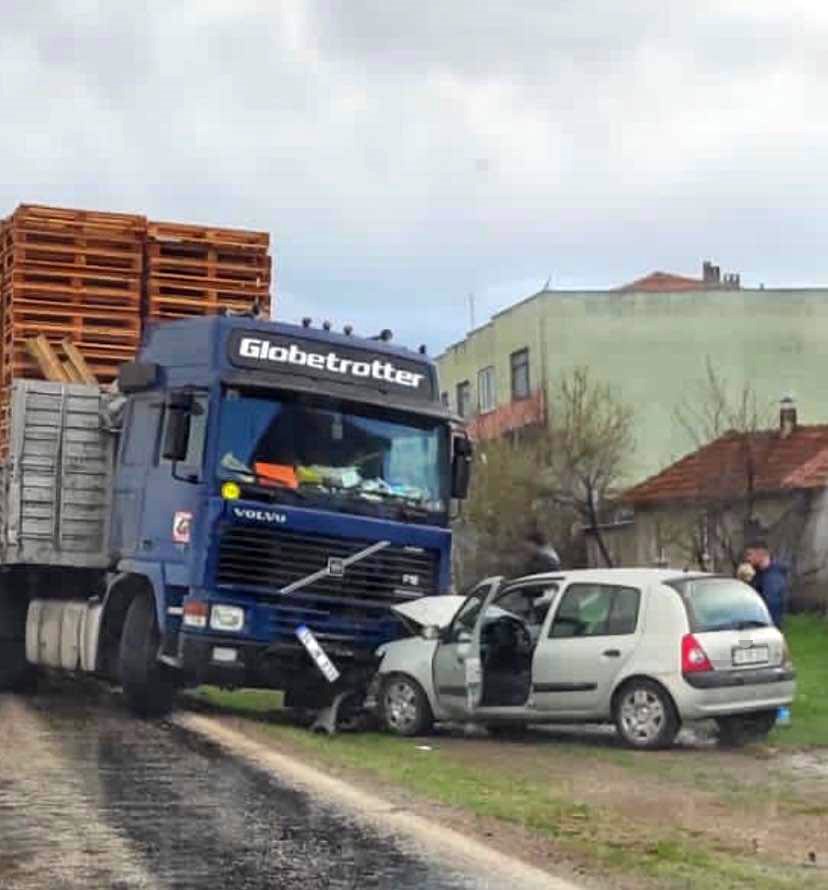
pixel 244 510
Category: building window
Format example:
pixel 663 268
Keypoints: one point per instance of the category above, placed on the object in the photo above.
pixel 486 389
pixel 464 398
pixel 520 374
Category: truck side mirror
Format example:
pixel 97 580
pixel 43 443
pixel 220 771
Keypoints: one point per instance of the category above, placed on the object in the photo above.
pixel 177 434
pixel 461 468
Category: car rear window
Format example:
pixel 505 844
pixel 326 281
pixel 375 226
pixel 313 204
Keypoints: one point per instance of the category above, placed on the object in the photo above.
pixel 721 604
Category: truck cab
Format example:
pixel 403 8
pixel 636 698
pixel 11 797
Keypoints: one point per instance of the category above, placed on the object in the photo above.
pixel 273 478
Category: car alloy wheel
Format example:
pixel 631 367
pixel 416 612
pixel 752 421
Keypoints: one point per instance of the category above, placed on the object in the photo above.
pixel 405 709
pixel 645 715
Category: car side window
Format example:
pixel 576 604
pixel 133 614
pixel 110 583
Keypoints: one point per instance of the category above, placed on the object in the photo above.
pixel 596 610
pixel 624 615
pixel 530 603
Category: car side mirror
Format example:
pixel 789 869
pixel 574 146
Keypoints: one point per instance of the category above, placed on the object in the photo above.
pixel 430 632
pixel 177 435
pixel 461 467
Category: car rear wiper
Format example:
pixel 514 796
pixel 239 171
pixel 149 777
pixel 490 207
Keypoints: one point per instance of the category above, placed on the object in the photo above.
pixel 735 625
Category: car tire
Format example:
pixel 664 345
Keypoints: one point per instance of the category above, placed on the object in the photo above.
pixel 645 715
pixel 404 708
pixel 744 729
pixel 149 686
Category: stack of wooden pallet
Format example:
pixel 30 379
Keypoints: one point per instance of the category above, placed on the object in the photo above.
pixel 77 287
pixel 70 275
pixel 197 270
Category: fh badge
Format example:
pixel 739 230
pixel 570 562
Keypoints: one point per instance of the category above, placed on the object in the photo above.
pixel 182 526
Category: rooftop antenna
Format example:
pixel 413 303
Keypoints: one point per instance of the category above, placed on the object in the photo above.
pixel 548 283
pixel 471 311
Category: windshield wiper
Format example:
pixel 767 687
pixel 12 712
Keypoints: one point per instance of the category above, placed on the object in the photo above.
pixel 407 509
pixel 271 491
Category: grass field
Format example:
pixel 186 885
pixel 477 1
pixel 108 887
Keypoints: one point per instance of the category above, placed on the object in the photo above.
pixel 808 640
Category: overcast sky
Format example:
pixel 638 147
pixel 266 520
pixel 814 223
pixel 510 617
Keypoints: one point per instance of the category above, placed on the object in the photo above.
pixel 404 154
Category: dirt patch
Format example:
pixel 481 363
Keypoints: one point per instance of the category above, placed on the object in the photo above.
pixel 751 801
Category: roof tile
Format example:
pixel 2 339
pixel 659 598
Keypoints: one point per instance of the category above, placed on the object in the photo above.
pixel 722 468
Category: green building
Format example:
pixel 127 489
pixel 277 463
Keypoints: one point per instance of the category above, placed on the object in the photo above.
pixel 650 340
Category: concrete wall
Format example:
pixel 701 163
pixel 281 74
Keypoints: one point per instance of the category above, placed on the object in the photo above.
pixel 652 346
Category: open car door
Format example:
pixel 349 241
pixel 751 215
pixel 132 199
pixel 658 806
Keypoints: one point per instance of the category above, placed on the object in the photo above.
pixel 456 667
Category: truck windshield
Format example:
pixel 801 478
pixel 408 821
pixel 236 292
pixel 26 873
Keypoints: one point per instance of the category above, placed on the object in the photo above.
pixel 318 452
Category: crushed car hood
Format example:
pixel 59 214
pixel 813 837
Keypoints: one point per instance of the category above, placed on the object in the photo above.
pixel 430 611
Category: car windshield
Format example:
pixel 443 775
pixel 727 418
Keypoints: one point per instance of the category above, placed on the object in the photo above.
pixel 722 604
pixel 312 451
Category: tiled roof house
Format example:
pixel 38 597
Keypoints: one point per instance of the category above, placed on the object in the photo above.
pixel 697 512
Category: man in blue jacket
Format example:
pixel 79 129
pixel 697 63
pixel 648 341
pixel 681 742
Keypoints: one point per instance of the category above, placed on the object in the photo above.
pixel 770 581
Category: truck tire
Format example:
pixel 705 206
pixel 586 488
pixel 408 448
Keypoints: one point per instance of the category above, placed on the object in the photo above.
pixel 16 674
pixel 149 686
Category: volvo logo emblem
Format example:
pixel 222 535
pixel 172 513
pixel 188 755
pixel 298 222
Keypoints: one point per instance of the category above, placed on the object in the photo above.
pixel 336 567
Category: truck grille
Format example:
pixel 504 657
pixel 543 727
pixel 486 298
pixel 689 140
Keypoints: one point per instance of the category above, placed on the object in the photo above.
pixel 270 559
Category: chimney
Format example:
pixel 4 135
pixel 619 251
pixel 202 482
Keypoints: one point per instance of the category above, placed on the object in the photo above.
pixel 711 275
pixel 787 417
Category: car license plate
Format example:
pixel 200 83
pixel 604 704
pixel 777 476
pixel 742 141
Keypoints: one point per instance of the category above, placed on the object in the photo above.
pixel 753 655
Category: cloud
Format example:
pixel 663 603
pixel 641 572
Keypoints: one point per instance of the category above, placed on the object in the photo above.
pixel 403 155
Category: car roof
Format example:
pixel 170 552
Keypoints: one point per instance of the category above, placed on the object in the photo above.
pixel 641 577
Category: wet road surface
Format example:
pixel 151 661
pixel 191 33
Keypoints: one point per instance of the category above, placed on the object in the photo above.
pixel 91 798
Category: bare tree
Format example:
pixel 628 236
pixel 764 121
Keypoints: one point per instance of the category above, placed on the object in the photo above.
pixel 725 510
pixel 590 445
pixel 506 504
pixel 710 409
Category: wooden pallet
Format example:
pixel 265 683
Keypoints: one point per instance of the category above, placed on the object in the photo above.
pixel 21 321
pixel 212 265
pixel 103 360
pixel 74 299
pixel 197 291
pixel 194 234
pixel 256 284
pixel 71 279
pixel 81 257
pixel 70 218
pixel 165 307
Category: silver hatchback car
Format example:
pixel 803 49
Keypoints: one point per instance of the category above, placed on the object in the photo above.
pixel 645 649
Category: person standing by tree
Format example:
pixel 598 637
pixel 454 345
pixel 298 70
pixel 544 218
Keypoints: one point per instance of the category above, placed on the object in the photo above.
pixel 770 580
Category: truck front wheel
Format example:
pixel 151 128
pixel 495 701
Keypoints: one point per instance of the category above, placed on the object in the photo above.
pixel 149 685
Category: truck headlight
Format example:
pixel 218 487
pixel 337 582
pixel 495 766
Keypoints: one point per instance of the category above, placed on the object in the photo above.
pixel 226 618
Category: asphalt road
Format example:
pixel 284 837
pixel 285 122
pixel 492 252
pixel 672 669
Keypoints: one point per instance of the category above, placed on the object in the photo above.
pixel 92 798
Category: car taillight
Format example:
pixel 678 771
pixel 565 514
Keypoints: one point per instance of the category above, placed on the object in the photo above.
pixel 694 659
pixel 787 661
